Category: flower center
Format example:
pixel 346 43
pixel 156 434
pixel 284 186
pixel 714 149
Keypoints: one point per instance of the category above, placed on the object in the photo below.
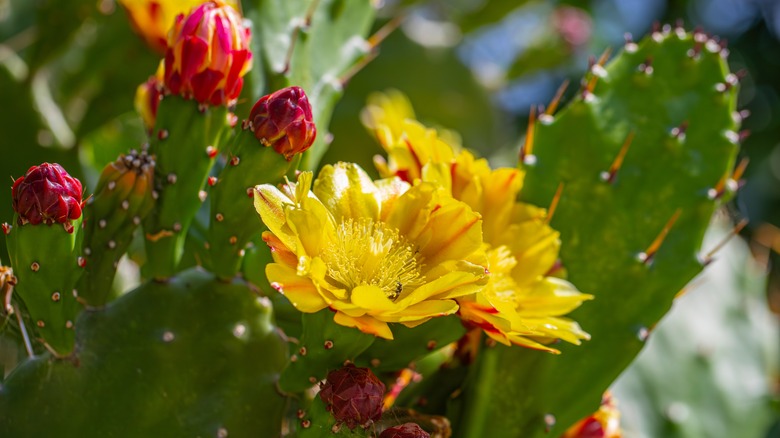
pixel 370 253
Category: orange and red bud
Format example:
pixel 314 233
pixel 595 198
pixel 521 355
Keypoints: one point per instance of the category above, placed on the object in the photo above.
pixel 353 395
pixel 147 99
pixel 406 430
pixel 284 121
pixel 604 423
pixel 47 194
pixel 208 54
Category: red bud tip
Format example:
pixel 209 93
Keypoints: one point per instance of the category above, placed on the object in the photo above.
pixel 47 194
pixel 406 430
pixel 284 121
pixel 353 395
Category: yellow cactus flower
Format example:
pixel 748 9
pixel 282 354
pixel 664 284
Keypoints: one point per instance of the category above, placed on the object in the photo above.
pixel 372 252
pixel 152 19
pixel 522 303
pixel 391 117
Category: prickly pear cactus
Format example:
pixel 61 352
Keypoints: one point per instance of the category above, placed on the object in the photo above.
pixel 391 302
pixel 642 157
pixel 190 352
pixel 191 357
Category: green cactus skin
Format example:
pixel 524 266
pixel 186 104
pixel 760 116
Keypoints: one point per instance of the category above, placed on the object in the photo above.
pixel 123 198
pixel 45 259
pixel 608 221
pixel 185 143
pixel 676 387
pixel 324 346
pixel 409 345
pixel 233 220
pixel 314 45
pixel 191 357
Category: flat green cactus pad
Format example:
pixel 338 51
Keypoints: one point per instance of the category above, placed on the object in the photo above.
pixel 193 357
pixel 631 231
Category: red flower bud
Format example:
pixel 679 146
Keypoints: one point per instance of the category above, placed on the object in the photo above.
pixel 284 120
pixel 207 55
pixel 47 194
pixel 353 395
pixel 406 430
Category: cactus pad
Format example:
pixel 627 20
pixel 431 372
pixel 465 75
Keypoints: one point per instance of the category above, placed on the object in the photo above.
pixel 643 154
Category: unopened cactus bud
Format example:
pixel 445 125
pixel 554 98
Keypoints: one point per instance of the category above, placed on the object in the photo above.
pixel 47 194
pixel 147 99
pixel 123 198
pixel 127 185
pixel 45 258
pixel 406 430
pixel 353 395
pixel 283 120
pixel 208 54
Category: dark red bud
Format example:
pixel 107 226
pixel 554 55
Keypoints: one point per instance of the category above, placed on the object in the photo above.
pixel 353 395
pixel 284 121
pixel 47 194
pixel 406 430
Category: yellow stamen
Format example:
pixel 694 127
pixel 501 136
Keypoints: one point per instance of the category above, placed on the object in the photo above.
pixel 369 253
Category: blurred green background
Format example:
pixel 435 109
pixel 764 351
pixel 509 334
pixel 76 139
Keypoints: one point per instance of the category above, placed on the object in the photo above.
pixel 69 69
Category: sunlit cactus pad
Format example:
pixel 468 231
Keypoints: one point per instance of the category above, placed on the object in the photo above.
pixel 639 161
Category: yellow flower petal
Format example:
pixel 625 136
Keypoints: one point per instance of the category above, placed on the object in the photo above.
pixel 409 213
pixel 426 309
pixel 347 191
pixel 299 290
pixel 372 297
pixel 366 324
pixel 451 285
pixel 453 231
pixel 270 204
pixel 313 227
pixel 552 297
pixel 439 174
